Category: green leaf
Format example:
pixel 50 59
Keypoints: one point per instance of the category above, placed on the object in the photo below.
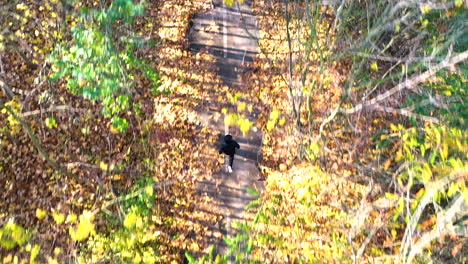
pixel 191 259
pixel 120 124
pixel 252 204
pixel 253 192
pixel 250 245
pixel 50 122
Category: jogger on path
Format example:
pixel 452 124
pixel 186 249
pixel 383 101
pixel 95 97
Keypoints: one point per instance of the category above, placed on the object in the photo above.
pixel 229 148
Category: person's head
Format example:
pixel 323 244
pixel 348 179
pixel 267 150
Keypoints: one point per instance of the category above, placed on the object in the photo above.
pixel 227 138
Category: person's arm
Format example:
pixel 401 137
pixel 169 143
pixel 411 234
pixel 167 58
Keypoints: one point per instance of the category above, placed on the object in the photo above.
pixel 221 150
pixel 237 145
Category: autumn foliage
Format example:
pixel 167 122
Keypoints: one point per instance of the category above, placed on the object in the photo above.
pixel 362 106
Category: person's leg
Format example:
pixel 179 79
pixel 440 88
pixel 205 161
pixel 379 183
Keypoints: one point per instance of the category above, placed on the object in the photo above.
pixel 231 160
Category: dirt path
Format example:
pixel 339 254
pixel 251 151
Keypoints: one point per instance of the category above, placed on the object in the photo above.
pixel 229 33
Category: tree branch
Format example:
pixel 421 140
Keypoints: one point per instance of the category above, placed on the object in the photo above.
pixel 444 220
pixel 53 109
pixel 405 112
pixel 431 190
pixel 409 83
pixel 7 89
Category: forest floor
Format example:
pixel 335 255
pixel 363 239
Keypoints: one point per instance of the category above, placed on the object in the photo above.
pixel 158 189
pixel 174 141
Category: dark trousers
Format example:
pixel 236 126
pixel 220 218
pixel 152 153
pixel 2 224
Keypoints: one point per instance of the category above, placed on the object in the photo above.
pixel 231 160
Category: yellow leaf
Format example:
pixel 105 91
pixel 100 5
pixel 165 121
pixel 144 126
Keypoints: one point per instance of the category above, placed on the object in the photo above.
pixel 241 106
pixel 270 125
pixel 387 164
pixel 137 258
pixel 40 214
pixel 21 6
pixel 84 228
pixel 149 190
pixel 283 167
pixel 282 121
pixel 399 156
pixel 113 130
pixel 245 125
pixel 426 173
pixel 425 9
pixel 71 218
pixel 139 222
pixel 444 151
pixel 103 166
pixel 8 259
pixel 130 220
pixel 420 193
pixel 58 218
pixel 391 196
pixel 51 260
pixel 117 177
pixel 230 119
pixel 274 115
pixel 195 246
pixel 34 252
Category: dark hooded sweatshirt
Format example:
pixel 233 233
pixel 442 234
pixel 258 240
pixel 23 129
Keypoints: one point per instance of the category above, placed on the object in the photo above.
pixel 229 146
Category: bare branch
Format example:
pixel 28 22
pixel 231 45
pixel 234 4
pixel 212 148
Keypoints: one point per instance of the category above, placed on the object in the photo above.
pixel 444 220
pixel 436 101
pixel 367 241
pixel 405 113
pixel 431 191
pixel 53 109
pixel 8 91
pixel 409 83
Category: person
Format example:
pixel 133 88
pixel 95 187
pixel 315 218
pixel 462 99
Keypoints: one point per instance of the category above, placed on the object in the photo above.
pixel 229 148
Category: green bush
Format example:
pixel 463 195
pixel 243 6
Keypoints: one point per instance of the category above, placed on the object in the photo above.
pixel 100 62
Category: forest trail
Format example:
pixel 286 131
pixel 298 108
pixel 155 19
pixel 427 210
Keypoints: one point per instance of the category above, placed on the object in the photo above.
pixel 230 35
